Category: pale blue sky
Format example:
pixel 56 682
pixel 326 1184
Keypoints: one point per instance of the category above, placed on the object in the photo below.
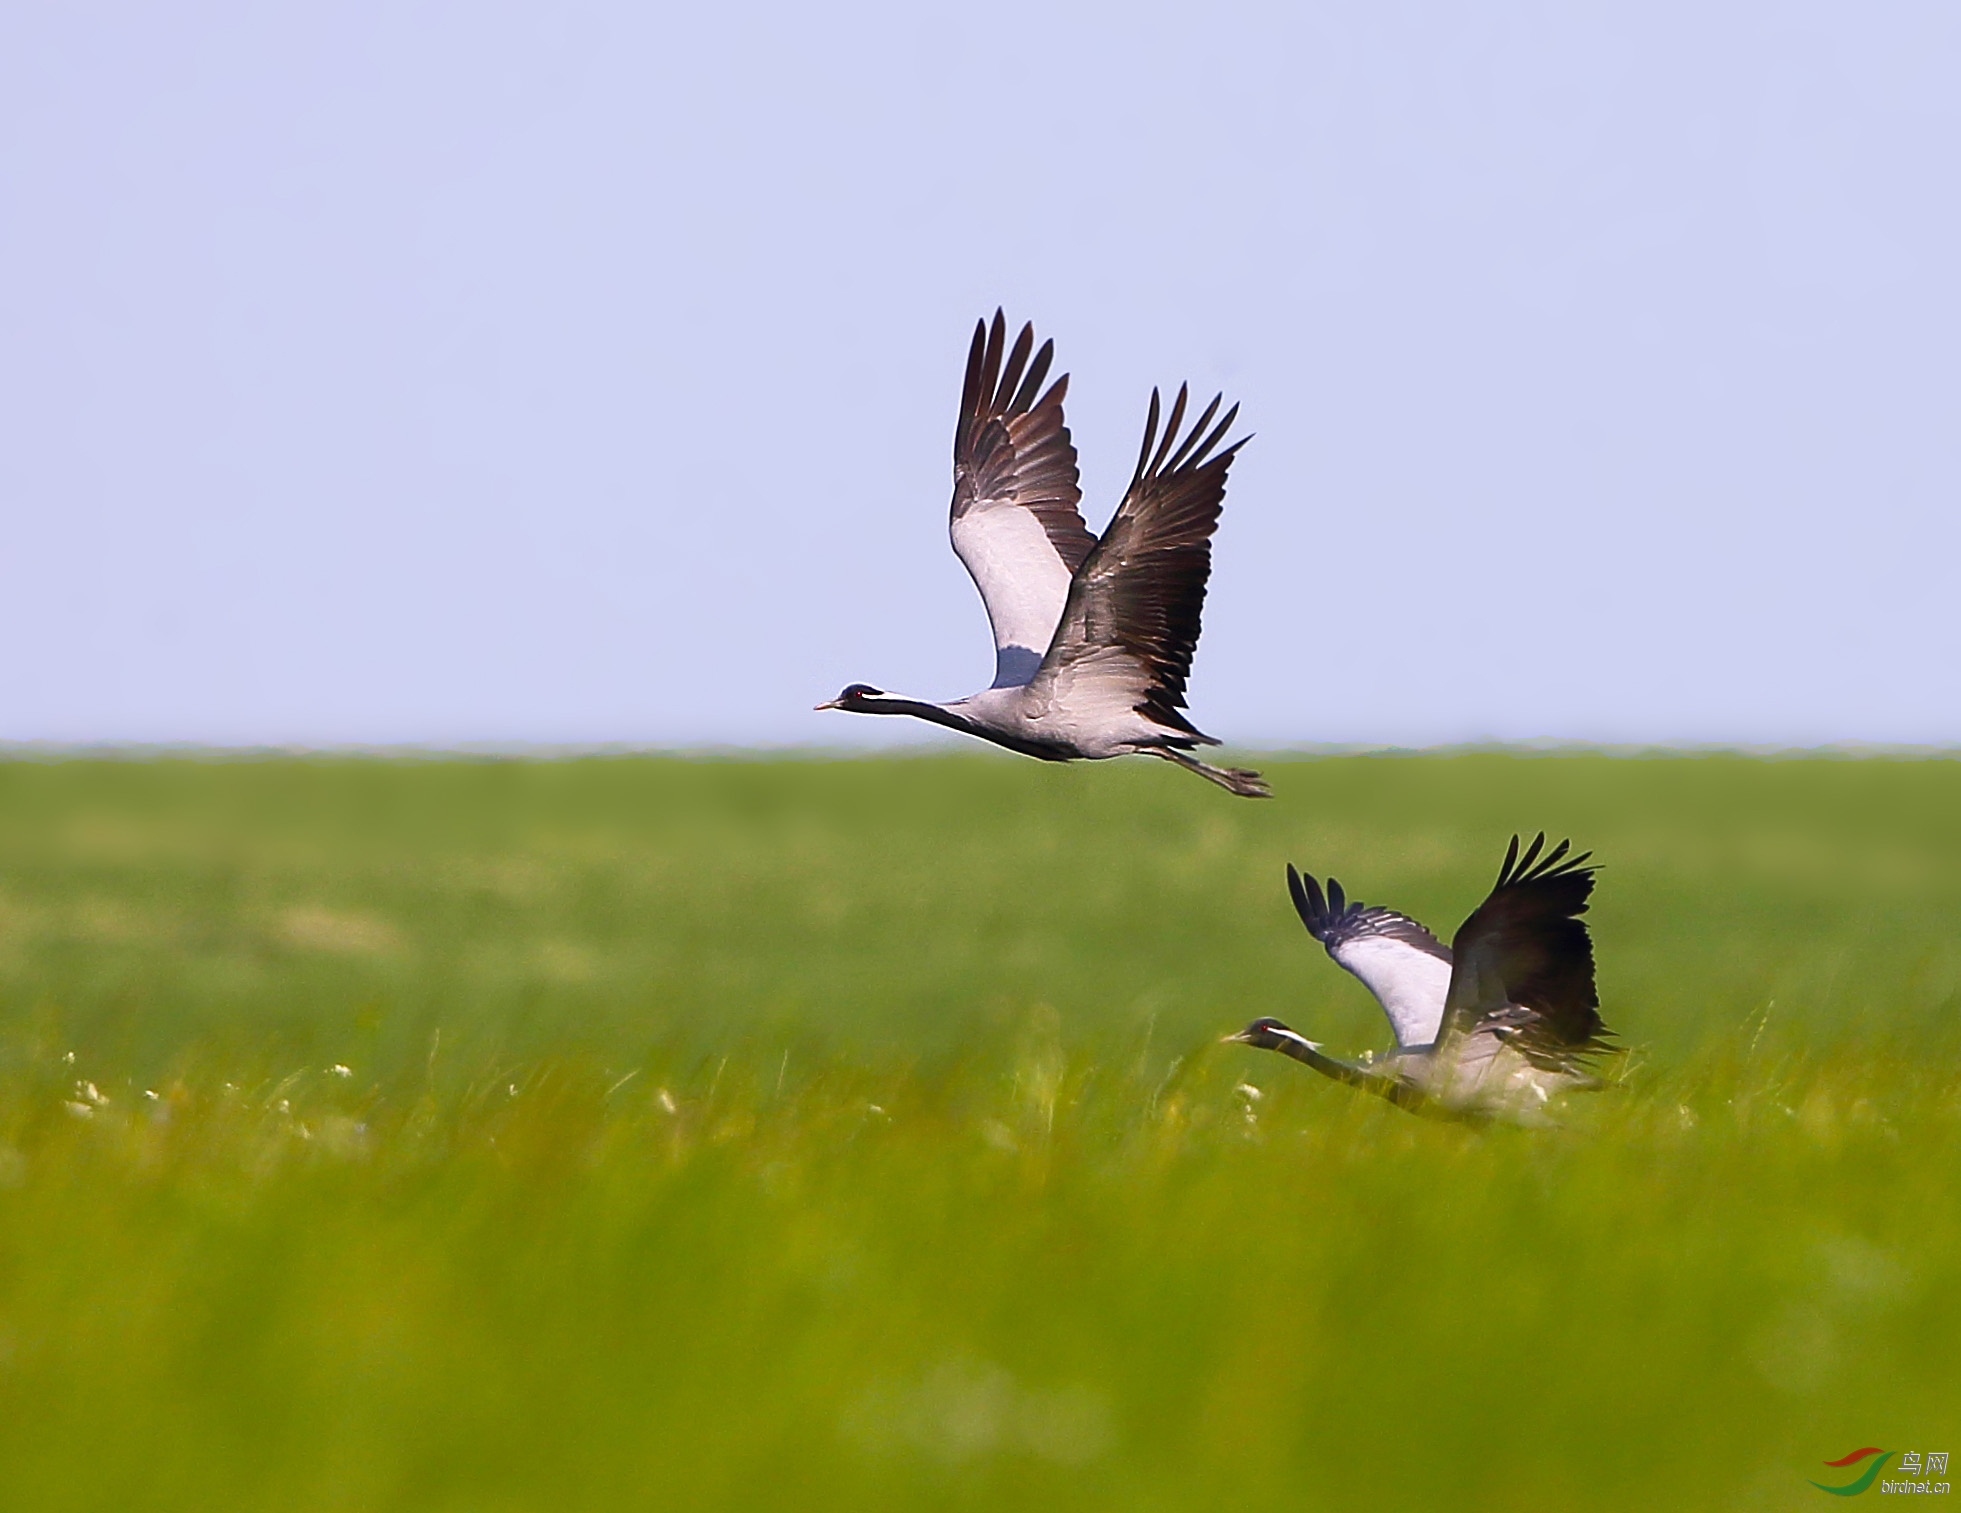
pixel 464 373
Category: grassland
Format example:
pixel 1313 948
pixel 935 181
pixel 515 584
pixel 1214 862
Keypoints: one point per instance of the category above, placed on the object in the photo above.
pixel 628 1133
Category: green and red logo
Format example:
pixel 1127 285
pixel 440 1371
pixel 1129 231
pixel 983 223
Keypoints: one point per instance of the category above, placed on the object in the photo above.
pixel 1864 1479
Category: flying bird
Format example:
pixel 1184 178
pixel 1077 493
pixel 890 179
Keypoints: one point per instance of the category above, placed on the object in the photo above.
pixel 1093 638
pixel 1496 1022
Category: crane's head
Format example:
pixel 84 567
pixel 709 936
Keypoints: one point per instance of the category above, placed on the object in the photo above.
pixel 858 698
pixel 1269 1035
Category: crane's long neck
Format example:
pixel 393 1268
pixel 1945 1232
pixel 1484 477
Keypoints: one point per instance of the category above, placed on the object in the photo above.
pixel 990 722
pixel 919 709
pixel 1397 1091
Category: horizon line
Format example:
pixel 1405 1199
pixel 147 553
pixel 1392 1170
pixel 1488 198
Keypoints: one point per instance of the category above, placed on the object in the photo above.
pixel 492 750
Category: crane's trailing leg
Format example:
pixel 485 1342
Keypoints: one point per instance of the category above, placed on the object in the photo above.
pixel 1240 780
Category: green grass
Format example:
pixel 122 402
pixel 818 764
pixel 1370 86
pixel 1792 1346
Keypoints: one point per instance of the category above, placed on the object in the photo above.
pixel 806 1134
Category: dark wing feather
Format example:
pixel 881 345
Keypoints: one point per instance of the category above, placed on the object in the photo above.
pixel 1524 960
pixel 1014 519
pixel 1334 921
pixel 1132 618
pixel 1011 447
pixel 1395 958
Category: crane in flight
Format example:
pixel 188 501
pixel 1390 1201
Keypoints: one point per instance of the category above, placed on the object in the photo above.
pixel 1497 1022
pixel 1093 637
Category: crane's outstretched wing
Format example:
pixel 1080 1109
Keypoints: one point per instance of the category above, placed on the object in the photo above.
pixel 1524 962
pixel 1401 963
pixel 1015 523
pixel 1132 618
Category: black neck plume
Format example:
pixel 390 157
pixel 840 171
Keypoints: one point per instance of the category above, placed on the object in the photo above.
pixel 1394 1089
pixel 919 710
